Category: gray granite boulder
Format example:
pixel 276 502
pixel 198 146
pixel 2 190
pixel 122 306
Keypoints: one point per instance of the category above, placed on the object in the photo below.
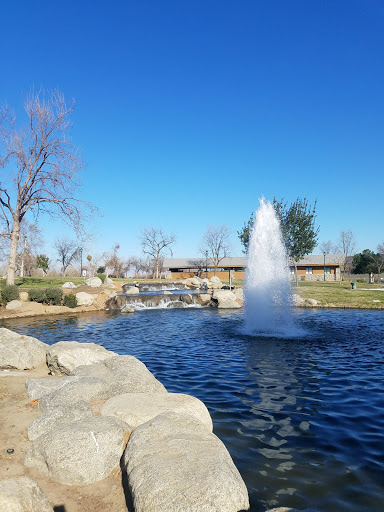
pixel 310 302
pixel 79 453
pixel 37 388
pixel 137 408
pixel 108 283
pixel 64 356
pixel 297 300
pixel 225 299
pixel 94 282
pixel 122 374
pixel 14 304
pixel 175 464
pixel 239 293
pixel 19 351
pixel 127 309
pixel 131 290
pixel 22 495
pixel 86 388
pixel 85 299
pixel 57 416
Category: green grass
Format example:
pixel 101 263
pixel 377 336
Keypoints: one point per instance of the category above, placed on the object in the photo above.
pixel 43 282
pixel 341 294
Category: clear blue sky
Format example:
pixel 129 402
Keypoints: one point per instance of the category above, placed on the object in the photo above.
pixel 189 111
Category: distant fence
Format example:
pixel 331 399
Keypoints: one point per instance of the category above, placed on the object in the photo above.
pixel 354 277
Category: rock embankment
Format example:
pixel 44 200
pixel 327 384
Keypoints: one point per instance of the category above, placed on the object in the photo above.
pixel 100 411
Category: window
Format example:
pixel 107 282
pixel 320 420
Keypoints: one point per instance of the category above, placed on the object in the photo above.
pixel 327 270
pixel 292 270
pixel 308 270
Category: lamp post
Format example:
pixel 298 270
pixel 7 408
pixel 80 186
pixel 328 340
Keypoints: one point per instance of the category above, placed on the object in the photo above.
pixel 206 264
pixel 324 253
pixel 81 261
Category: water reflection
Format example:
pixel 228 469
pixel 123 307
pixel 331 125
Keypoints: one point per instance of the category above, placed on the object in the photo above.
pixel 303 418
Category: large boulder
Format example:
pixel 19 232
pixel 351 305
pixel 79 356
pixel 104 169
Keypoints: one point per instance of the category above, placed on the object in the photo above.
pixel 215 283
pixel 175 464
pixel 239 293
pixel 192 282
pixel 310 302
pixel 297 300
pixel 137 408
pixel 203 299
pixel 94 282
pixel 131 290
pixel 57 416
pixel 19 351
pixel 79 453
pixel 122 374
pixel 69 284
pixel 22 495
pixel 64 356
pixel 14 304
pixel 85 299
pixel 85 388
pixel 225 299
pixel 37 388
pixel 108 283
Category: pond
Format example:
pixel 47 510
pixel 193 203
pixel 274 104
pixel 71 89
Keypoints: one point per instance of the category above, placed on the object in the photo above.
pixel 303 418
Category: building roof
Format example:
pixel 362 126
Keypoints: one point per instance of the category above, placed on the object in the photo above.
pixel 241 261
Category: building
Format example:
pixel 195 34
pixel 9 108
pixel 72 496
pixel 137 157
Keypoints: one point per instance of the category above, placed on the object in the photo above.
pixel 309 268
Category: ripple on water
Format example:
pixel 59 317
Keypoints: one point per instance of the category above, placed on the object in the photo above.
pixel 302 416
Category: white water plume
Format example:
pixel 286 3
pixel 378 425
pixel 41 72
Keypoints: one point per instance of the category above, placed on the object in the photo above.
pixel 268 297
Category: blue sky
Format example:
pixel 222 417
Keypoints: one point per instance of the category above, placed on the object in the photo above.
pixel 188 112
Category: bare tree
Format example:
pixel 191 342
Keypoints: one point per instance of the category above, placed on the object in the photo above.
pixel 216 243
pixel 30 240
pixel 113 263
pixel 347 246
pixel 42 169
pixel 68 252
pixel 155 243
pixel 327 247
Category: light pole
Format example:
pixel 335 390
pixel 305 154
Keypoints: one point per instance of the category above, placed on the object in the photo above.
pixel 206 264
pixel 324 253
pixel 81 261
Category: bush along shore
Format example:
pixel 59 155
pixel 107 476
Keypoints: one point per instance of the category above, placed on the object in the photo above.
pixel 99 412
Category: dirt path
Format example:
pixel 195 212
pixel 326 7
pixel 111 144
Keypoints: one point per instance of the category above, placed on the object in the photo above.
pixel 16 413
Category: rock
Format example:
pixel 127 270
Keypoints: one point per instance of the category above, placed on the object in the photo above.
pixel 127 309
pixel 131 290
pixel 94 282
pixel 175 304
pixel 214 283
pixel 14 304
pixel 84 388
pixel 64 356
pixel 192 282
pixel 203 299
pixel 56 416
pixel 167 292
pixel 311 302
pixel 81 452
pixel 19 351
pixel 297 300
pixel 24 296
pixel 137 408
pixel 215 279
pixel 37 388
pixel 22 495
pixel 69 284
pixel 123 374
pixel 239 293
pixel 108 283
pixel 187 298
pixel 228 304
pixel 84 299
pixel 175 464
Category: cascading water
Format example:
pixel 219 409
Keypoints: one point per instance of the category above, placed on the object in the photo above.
pixel 268 297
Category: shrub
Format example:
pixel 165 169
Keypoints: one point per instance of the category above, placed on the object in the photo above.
pixel 9 292
pixel 101 276
pixel 54 296
pixel 70 300
pixel 361 280
pixel 37 295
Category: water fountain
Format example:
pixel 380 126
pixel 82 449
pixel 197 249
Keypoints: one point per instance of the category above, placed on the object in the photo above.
pixel 267 290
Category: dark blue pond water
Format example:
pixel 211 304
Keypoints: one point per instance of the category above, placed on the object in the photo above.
pixel 302 418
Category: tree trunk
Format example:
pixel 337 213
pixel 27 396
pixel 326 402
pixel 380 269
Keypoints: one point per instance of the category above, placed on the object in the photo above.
pixel 13 252
pixel 296 276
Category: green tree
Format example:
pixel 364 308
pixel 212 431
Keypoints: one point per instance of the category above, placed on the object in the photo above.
pixel 298 228
pixel 42 261
pixel 364 262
